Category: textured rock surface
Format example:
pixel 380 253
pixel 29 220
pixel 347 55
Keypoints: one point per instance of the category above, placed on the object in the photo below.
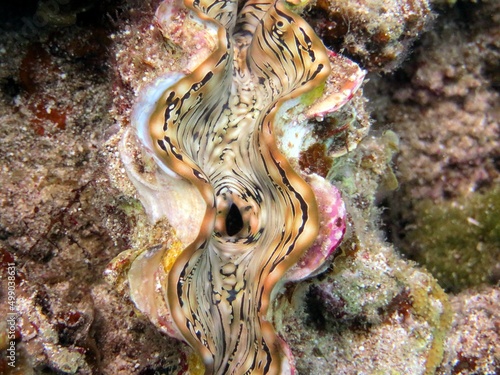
pixel 377 34
pixel 445 105
pixel 61 221
pixel 472 345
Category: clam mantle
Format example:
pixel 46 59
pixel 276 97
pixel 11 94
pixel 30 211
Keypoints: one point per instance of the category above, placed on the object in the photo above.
pixel 243 219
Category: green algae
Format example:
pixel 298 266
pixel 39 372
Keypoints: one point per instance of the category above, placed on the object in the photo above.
pixel 131 206
pixel 459 241
pixel 309 97
pixel 430 303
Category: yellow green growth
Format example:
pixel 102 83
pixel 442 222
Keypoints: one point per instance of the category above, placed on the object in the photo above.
pixel 424 297
pixel 459 241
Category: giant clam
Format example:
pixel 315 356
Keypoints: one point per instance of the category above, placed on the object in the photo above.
pixel 244 221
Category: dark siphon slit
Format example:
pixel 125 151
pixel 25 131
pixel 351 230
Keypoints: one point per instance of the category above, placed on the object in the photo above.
pixel 234 221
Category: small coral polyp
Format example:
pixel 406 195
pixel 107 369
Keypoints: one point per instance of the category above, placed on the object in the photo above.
pixel 243 220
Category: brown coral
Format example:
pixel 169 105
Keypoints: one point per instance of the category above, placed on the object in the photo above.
pixel 375 33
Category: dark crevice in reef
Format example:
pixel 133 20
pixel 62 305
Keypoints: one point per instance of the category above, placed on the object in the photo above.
pixel 32 18
pixel 14 10
pixel 9 88
pixel 326 312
